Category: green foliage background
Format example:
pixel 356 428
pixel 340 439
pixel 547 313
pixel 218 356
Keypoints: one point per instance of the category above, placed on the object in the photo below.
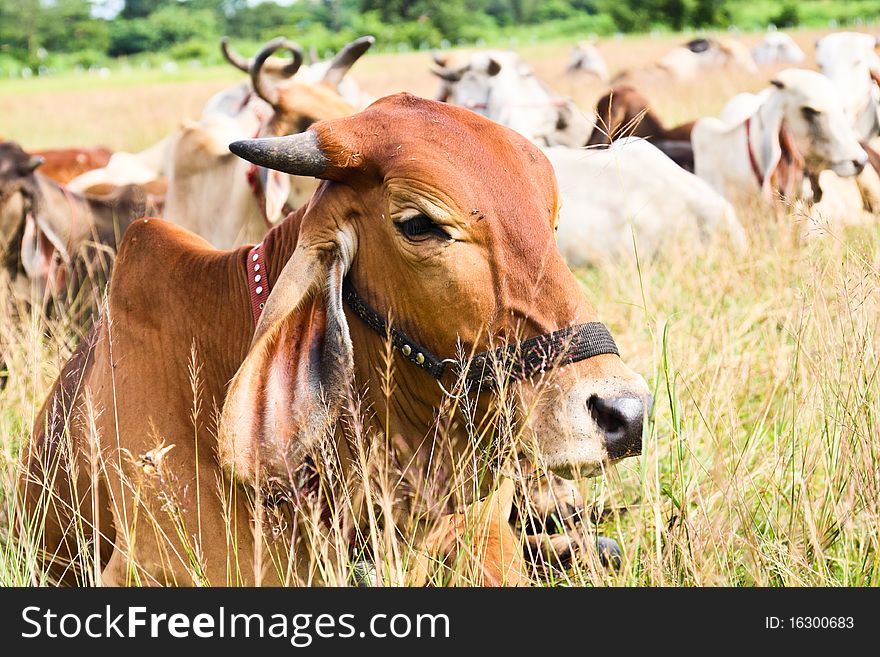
pixel 45 35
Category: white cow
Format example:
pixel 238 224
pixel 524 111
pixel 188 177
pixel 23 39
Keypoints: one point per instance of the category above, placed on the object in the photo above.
pixel 631 193
pixel 127 168
pixel 586 58
pixel 701 55
pixel 739 155
pixel 777 48
pixel 848 59
pixel 503 88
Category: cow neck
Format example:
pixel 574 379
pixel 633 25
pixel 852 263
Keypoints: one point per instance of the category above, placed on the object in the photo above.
pixel 265 261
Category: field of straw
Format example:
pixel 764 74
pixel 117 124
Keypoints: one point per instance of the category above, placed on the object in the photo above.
pixel 762 464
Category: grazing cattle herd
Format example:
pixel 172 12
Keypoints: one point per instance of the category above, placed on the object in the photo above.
pixel 312 237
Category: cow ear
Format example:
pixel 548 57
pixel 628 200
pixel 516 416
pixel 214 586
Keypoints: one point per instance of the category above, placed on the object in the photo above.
pixel 494 67
pixel 288 391
pixel 788 173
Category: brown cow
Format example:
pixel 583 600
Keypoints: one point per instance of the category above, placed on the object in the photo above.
pixel 64 164
pixel 624 112
pixel 55 237
pixel 427 210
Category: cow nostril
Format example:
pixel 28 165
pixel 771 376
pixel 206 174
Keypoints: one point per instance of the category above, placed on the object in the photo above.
pixel 620 420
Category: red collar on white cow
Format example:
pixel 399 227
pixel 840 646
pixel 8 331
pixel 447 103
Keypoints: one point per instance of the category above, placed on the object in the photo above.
pixel 752 160
pixel 518 360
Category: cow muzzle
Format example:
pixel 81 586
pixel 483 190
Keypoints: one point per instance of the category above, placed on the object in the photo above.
pixel 595 418
pixel 848 168
pixel 620 420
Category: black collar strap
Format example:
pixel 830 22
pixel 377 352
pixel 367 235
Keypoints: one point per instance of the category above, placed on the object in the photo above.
pixel 521 360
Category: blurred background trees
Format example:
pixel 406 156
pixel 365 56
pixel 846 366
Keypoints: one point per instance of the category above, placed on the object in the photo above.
pixel 85 32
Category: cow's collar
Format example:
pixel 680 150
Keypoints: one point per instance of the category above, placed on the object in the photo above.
pixel 518 360
pixel 258 280
pixel 759 176
pixel 515 361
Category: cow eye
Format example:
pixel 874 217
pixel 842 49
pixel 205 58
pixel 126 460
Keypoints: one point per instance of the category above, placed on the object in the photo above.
pixel 809 113
pixel 419 228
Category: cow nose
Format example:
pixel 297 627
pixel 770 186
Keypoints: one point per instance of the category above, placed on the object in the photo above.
pixel 860 163
pixel 620 419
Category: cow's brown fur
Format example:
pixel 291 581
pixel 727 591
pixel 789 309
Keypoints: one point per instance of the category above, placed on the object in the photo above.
pixel 173 295
pixel 624 112
pixel 64 164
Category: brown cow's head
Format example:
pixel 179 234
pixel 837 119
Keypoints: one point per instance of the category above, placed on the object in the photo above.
pixel 297 104
pixel 447 220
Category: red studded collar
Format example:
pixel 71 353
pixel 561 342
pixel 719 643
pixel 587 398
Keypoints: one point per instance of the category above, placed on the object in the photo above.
pixel 258 280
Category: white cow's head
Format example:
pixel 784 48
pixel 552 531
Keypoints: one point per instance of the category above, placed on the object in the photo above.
pixel 777 48
pixel 814 115
pixel 848 60
pixel 503 88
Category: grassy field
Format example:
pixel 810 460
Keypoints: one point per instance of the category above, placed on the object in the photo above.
pixel 761 467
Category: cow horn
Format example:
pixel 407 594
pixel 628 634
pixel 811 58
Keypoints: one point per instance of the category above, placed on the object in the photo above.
pixel 298 155
pixel 267 92
pixel 33 162
pixel 438 59
pixel 346 58
pixel 446 74
pixel 239 62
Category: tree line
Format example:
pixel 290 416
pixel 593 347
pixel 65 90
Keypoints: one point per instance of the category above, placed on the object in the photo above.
pixel 83 32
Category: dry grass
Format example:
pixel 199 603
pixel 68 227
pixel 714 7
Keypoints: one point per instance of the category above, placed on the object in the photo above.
pixel 761 467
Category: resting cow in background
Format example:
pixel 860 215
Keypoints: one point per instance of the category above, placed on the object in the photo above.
pixel 586 58
pixel 502 87
pixel 224 199
pixel 423 206
pixel 850 61
pixel 630 196
pixel 56 238
pixel 64 164
pixel 624 112
pixel 798 120
pixel 777 48
pixel 696 57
